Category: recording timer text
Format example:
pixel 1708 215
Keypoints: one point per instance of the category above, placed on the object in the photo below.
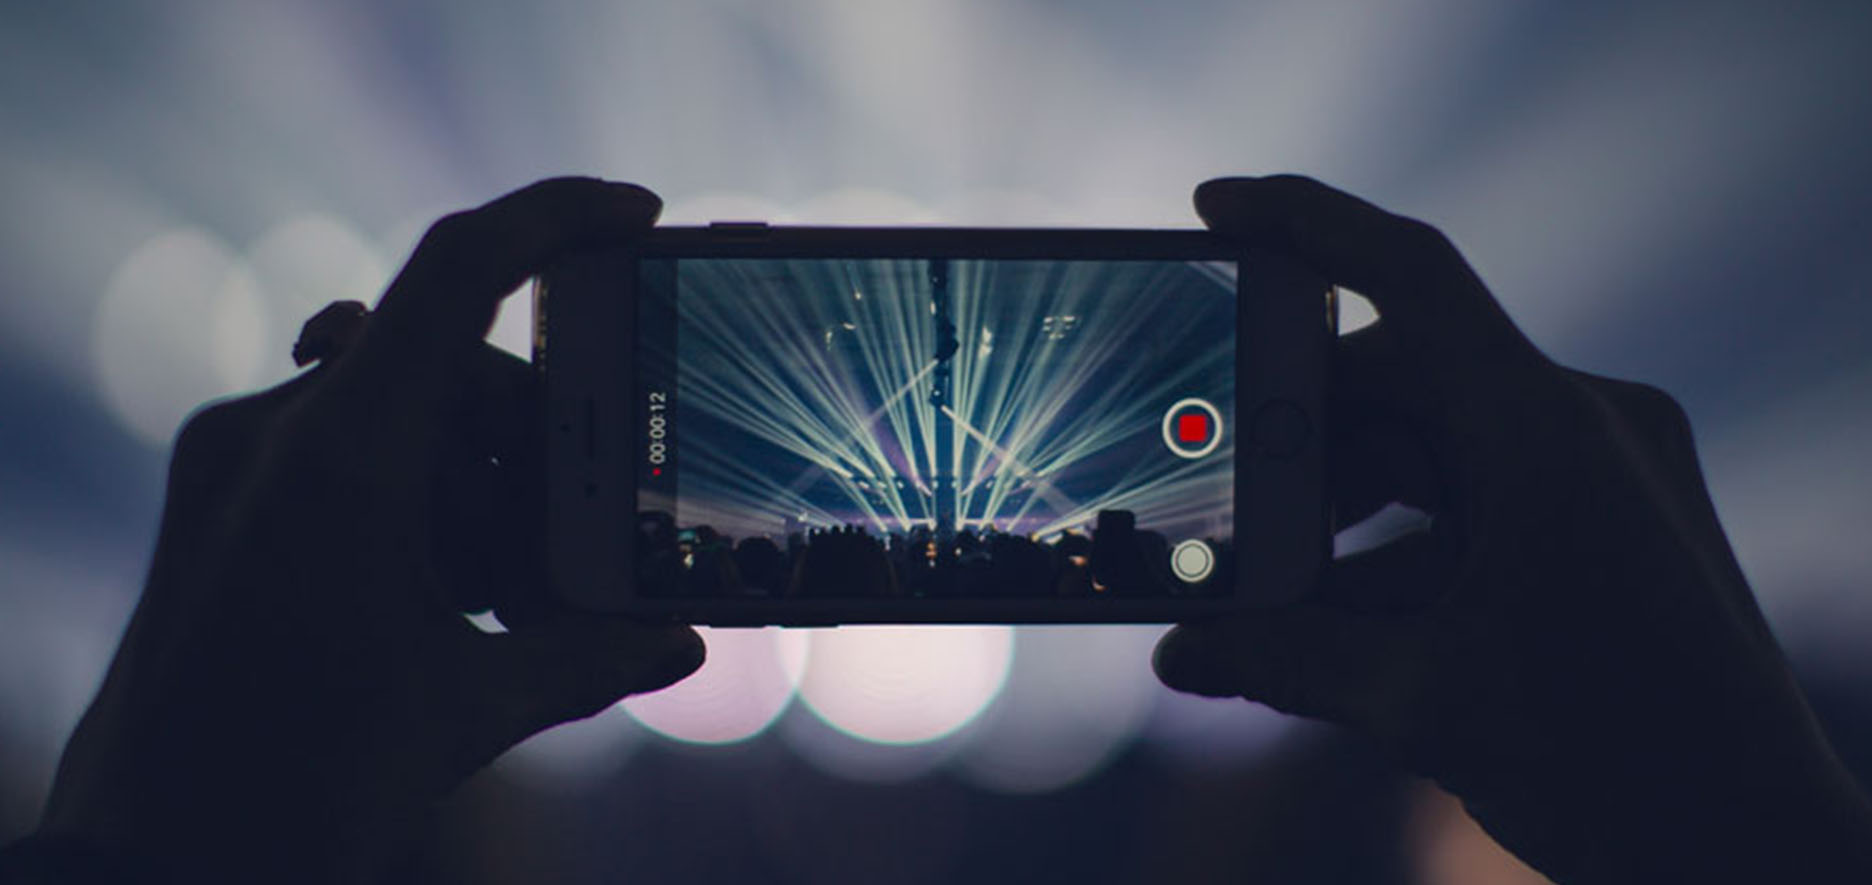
pixel 657 452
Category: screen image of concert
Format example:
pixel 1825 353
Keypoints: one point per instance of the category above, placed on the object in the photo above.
pixel 916 427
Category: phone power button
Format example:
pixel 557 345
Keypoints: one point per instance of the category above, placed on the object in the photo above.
pixel 1280 429
pixel 738 228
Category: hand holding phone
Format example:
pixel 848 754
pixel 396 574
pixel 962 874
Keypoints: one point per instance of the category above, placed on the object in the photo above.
pixel 1572 648
pixel 297 686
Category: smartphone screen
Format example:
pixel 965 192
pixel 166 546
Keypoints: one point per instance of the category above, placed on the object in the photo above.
pixel 934 427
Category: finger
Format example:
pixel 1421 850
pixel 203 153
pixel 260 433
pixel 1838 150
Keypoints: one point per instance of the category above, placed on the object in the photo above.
pixel 210 465
pixel 1413 274
pixel 1369 588
pixel 444 299
pixel 1383 433
pixel 1376 464
pixel 1656 426
pixel 1359 670
pixel 219 444
pixel 1405 576
pixel 490 535
pixel 330 332
pixel 549 673
pixel 1371 368
pixel 1657 423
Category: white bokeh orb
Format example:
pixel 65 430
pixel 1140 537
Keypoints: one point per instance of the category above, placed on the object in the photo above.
pixel 746 682
pixel 905 685
pixel 1205 732
pixel 840 754
pixel 304 264
pixel 1001 207
pixel 181 322
pixel 575 756
pixel 862 206
pixel 1075 697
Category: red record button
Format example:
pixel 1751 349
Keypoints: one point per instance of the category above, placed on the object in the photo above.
pixel 1192 428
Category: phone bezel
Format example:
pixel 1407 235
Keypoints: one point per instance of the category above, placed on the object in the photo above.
pixel 585 305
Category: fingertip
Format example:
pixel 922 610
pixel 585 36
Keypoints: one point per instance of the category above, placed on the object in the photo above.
pixel 644 199
pixel 1217 199
pixel 682 654
pixel 1186 659
pixel 629 202
pixel 445 297
pixel 527 226
pixel 1247 202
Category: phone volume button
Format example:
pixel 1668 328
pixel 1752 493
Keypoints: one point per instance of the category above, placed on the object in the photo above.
pixel 739 228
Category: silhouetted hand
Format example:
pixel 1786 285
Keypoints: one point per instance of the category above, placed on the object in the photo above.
pixel 1572 648
pixel 297 685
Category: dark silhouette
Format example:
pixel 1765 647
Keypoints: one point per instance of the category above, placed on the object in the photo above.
pixel 846 562
pixel 762 565
pixel 1571 649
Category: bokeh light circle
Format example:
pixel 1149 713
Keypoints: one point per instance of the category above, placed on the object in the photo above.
pixel 180 323
pixel 576 756
pixel 747 681
pixel 991 207
pixel 712 206
pixel 1075 698
pixel 865 206
pixel 306 263
pixel 837 753
pixel 905 685
pixel 1207 732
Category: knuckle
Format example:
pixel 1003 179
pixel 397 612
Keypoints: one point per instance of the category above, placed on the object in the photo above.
pixel 1644 406
pixel 213 427
pixel 1296 184
pixel 451 235
pixel 218 440
pixel 1424 239
pixel 1661 408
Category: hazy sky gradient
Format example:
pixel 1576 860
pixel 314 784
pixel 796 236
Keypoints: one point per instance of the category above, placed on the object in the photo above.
pixel 1676 192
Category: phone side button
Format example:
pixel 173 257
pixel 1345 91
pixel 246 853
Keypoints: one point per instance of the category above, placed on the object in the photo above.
pixel 755 623
pixel 739 228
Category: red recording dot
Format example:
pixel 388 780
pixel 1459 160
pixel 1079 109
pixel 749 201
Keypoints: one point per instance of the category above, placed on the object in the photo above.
pixel 1192 427
pixel 656 471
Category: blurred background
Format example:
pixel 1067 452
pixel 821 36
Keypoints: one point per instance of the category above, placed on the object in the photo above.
pixel 1676 192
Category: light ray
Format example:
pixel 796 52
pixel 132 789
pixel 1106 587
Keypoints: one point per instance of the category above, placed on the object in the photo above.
pixel 1051 408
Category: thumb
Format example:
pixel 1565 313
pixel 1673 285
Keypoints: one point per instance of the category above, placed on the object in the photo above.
pixel 569 668
pixel 1361 670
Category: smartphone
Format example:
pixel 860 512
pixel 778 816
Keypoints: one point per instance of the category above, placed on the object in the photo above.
pixel 751 425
